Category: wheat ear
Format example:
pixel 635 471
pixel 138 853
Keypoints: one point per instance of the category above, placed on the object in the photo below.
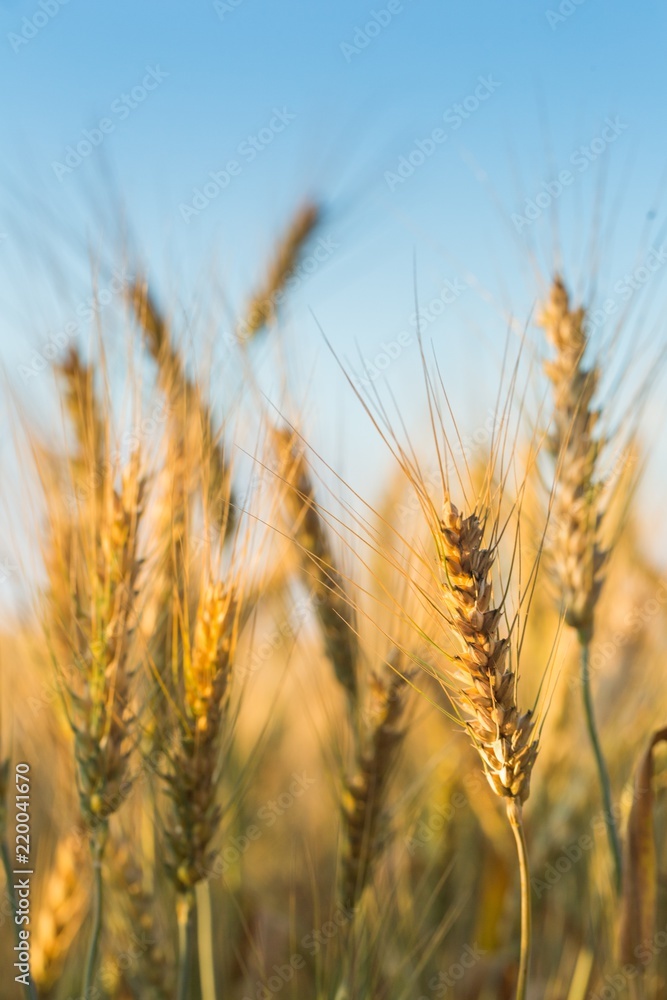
pixel 577 551
pixel 333 607
pixel 194 434
pixel 61 913
pixel 194 760
pixel 486 689
pixel 262 307
pixel 365 790
pixel 96 674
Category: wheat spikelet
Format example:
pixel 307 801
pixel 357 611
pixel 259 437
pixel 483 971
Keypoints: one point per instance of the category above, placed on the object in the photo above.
pixel 62 909
pixel 195 443
pixel 261 309
pixel 334 609
pixel 578 555
pixel 487 690
pixel 192 782
pixel 365 790
pixel 81 404
pixel 101 579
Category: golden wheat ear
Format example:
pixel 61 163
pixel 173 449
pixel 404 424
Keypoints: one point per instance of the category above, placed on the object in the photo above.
pixel 263 305
pixel 199 454
pixel 576 548
pixel 334 608
pixel 501 733
pixel 63 905
pixel 579 505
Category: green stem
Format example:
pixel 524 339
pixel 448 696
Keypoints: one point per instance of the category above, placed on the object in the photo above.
pixel 9 875
pixel 515 817
pixel 603 774
pixel 97 848
pixel 205 941
pixel 185 914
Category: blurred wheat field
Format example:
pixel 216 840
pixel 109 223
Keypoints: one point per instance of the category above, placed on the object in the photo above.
pixel 275 741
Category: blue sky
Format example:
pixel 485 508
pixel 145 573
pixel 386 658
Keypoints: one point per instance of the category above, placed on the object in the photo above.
pixel 336 98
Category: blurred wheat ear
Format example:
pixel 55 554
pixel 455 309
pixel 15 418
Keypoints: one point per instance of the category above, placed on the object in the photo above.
pixel 365 789
pixel 578 512
pixel 333 606
pixel 91 610
pixel 194 434
pixel 62 910
pixel 263 305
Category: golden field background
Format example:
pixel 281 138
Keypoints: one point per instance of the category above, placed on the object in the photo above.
pixel 438 910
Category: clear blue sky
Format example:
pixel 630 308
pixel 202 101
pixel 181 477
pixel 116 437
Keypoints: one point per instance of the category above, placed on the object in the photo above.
pixel 334 97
